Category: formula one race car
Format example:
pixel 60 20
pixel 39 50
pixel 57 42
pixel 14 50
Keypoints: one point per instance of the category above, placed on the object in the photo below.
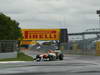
pixel 51 55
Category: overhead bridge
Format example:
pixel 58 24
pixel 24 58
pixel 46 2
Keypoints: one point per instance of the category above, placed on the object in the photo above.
pixel 83 33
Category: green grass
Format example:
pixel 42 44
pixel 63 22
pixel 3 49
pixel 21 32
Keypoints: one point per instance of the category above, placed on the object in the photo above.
pixel 97 54
pixel 20 57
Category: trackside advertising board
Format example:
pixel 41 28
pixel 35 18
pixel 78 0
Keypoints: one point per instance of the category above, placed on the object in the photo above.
pixel 41 34
pixel 98 48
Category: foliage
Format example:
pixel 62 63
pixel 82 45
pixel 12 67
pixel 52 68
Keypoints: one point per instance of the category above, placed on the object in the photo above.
pixel 9 29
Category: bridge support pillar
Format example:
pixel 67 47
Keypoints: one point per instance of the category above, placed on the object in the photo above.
pixel 83 39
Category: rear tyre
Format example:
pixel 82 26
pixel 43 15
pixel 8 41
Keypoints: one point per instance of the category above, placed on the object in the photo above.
pixel 61 57
pixel 50 57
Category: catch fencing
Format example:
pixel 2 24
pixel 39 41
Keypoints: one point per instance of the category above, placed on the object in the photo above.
pixel 8 46
pixel 81 47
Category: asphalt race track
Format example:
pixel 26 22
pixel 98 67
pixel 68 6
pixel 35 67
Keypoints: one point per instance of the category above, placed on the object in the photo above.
pixel 71 65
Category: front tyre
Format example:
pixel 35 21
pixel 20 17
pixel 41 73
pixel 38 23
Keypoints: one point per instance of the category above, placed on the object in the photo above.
pixel 38 58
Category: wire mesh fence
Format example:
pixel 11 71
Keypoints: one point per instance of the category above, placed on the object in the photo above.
pixel 8 46
pixel 81 47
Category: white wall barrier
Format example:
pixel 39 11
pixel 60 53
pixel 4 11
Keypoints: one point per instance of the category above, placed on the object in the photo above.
pixel 8 55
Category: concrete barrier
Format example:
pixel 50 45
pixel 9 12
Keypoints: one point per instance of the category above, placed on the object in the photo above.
pixel 8 55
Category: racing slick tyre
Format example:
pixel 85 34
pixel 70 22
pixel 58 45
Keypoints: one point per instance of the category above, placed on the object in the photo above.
pixel 61 57
pixel 51 58
pixel 38 58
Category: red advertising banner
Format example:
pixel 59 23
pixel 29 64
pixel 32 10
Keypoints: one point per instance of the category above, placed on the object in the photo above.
pixel 41 34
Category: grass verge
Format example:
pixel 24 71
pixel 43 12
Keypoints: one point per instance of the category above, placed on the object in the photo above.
pixel 97 54
pixel 20 57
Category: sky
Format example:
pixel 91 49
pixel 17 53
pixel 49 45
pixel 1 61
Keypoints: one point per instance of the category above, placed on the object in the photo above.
pixel 75 15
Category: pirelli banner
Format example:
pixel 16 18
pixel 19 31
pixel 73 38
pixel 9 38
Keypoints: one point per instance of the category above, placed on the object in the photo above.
pixel 41 34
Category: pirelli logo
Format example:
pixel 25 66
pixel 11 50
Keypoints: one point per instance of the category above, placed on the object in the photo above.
pixel 41 34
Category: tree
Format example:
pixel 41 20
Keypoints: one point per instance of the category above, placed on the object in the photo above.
pixel 9 29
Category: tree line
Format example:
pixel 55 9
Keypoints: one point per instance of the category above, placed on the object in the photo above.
pixel 9 28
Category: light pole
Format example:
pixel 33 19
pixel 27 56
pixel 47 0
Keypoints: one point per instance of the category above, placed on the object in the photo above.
pixel 98 12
